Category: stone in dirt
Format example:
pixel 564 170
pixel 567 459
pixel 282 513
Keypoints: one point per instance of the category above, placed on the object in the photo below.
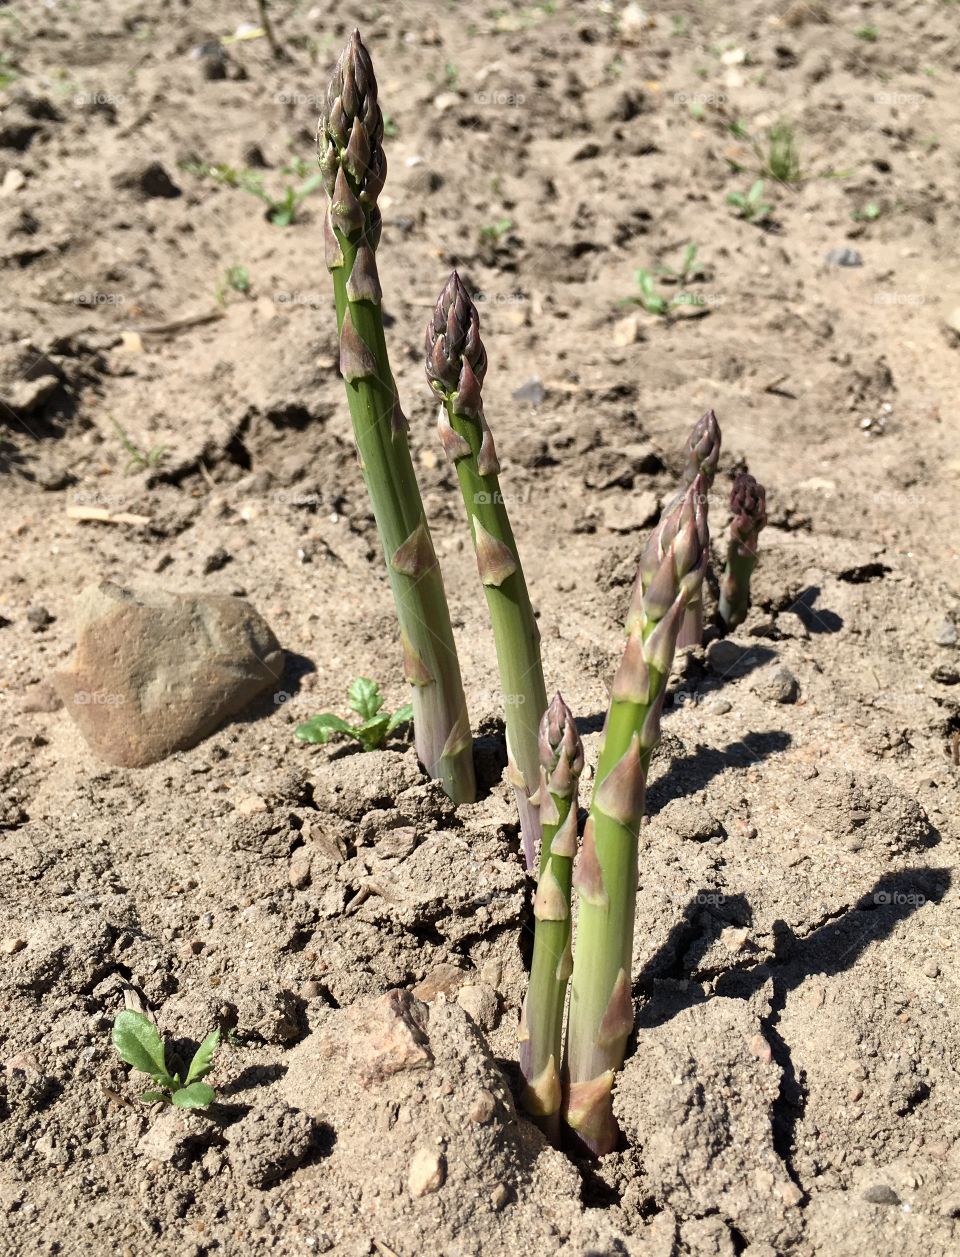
pixel 269 1143
pixel 156 672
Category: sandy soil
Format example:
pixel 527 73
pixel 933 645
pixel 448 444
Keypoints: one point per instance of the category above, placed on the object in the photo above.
pixel 793 1082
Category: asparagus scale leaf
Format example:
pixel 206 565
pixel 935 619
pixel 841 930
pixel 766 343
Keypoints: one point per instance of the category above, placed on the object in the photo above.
pixel 353 168
pixel 456 363
pixel 541 1025
pixel 605 875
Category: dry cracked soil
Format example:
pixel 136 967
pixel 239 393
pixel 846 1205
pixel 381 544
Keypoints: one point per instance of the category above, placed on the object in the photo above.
pixel 171 417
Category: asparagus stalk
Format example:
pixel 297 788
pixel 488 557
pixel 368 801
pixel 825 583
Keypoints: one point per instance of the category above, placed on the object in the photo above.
pixel 353 165
pixel 456 363
pixel 703 454
pixel 541 1025
pixel 605 875
pixel 748 503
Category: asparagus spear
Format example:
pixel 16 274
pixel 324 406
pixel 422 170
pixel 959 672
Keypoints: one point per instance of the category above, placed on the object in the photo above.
pixel 703 450
pixel 541 1026
pixel 456 363
pixel 353 165
pixel 605 875
pixel 703 454
pixel 748 504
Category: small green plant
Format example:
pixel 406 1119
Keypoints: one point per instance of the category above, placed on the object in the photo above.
pixel 281 211
pixel 750 205
pixel 139 460
pixel 237 278
pixel 451 74
pixel 139 1044
pixel 869 34
pixel 655 302
pixel 375 725
pixel 8 74
pixel 870 212
pixel 390 128
pixel 496 230
pixel 782 161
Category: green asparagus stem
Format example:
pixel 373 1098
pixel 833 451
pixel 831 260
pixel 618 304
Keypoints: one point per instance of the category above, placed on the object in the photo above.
pixel 456 363
pixel 541 1026
pixel 353 165
pixel 703 454
pixel 748 503
pixel 605 875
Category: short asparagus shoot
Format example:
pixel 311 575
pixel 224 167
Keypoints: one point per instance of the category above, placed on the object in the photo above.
pixel 748 505
pixel 605 874
pixel 703 455
pixel 456 364
pixel 541 1025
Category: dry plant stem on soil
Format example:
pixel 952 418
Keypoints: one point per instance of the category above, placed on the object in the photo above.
pixel 703 455
pixel 353 165
pixel 456 364
pixel 748 504
pixel 605 877
pixel 541 1025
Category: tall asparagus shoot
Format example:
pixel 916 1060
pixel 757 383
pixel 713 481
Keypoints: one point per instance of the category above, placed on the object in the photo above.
pixel 748 504
pixel 703 455
pixel 456 363
pixel 353 165
pixel 605 875
pixel 541 1026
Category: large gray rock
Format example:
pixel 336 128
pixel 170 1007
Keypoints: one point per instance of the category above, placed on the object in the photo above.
pixel 156 672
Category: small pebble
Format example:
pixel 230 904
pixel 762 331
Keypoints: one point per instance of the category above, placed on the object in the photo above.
pixel 844 257
pixel 881 1194
pixel 39 618
pixel 10 946
pixel 428 1170
pixel 791 1194
pixel 499 1196
pixel 931 969
pixel 311 989
pixel 718 707
pixel 947 634
pixel 483 1108
pixel 532 392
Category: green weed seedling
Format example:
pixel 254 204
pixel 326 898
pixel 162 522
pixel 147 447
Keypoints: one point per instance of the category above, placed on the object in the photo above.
pixel 654 301
pixel 497 230
pixel 139 460
pixel 782 161
pixel 139 1045
pixel 374 727
pixel 281 211
pixel 751 205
